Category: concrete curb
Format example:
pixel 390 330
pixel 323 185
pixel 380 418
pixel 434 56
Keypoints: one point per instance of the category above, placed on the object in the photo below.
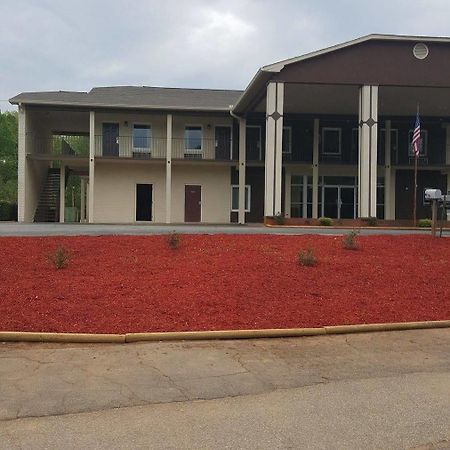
pixel 18 336
pixel 25 336
pixel 226 334
pixel 357 227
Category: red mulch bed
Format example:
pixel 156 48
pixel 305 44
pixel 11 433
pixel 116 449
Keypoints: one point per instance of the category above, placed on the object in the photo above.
pixel 136 284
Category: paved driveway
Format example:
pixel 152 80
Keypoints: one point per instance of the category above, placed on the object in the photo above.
pixel 57 229
pixel 371 391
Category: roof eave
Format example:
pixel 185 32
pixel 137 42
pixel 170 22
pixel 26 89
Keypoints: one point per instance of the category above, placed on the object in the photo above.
pixel 118 106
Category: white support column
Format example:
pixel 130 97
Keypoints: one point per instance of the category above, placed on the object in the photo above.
pixel 242 169
pixel 87 201
pixel 305 197
pixel 367 161
pixel 169 169
pixel 62 192
pixel 82 199
pixel 91 166
pixel 287 192
pixel 315 189
pixel 387 171
pixel 274 143
pixel 21 163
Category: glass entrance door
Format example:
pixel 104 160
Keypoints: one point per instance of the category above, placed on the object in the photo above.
pixel 330 202
pixel 338 202
pixel 347 202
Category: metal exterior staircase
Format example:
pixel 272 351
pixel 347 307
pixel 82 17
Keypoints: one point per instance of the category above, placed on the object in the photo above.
pixel 48 205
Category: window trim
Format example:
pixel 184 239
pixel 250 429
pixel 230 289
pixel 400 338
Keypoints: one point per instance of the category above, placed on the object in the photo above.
pixel 193 151
pixel 424 136
pixel 324 129
pixel 248 190
pixel 142 149
pixel 289 151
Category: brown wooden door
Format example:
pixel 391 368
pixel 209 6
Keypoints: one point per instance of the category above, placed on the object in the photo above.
pixel 192 203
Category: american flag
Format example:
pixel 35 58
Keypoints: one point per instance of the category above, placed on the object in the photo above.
pixel 416 137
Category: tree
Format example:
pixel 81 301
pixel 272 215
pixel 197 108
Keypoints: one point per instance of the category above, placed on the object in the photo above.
pixel 8 157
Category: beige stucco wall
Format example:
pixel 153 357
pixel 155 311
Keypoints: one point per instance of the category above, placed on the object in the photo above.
pixel 115 191
pixel 216 191
pixel 31 174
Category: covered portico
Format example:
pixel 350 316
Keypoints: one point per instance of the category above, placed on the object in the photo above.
pixel 372 85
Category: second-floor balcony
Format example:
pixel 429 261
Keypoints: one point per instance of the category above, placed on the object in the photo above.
pixel 156 148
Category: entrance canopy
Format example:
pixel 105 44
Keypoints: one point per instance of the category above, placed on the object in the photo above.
pixel 378 60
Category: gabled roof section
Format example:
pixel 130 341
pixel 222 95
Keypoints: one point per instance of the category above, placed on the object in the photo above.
pixel 278 66
pixel 265 73
pixel 136 97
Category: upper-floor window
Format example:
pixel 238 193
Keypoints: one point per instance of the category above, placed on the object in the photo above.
pixel 287 140
pixel 193 138
pixel 331 141
pixel 142 135
pixel 423 143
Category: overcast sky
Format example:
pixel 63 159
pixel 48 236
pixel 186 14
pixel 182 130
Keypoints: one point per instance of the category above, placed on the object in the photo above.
pixel 78 44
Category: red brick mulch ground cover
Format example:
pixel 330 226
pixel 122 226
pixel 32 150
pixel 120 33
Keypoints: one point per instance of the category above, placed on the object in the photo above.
pixel 132 284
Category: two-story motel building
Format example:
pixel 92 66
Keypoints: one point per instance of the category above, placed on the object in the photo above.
pixel 324 134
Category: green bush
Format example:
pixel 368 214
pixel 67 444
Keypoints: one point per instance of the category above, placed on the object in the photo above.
pixel 325 221
pixel 349 240
pixel 306 258
pixel 60 257
pixel 8 211
pixel 278 219
pixel 424 223
pixel 370 221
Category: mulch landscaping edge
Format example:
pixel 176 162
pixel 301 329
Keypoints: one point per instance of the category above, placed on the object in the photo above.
pixel 18 336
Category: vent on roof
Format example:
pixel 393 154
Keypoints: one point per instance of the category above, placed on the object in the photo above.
pixel 420 51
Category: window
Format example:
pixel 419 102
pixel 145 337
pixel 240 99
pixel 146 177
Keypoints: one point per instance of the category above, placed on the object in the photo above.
pixel 423 143
pixel 380 198
pixel 193 139
pixel 235 198
pixel 331 141
pixel 142 136
pixel 287 140
pixel 297 196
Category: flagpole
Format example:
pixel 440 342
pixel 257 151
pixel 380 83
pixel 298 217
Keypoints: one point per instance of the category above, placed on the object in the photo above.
pixel 415 190
pixel 416 157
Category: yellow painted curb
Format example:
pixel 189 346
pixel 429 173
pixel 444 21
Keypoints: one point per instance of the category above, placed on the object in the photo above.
pixel 18 336
pixel 396 326
pixel 225 334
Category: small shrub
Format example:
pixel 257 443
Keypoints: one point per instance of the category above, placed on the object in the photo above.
pixel 173 240
pixel 278 218
pixel 306 258
pixel 424 223
pixel 325 221
pixel 349 240
pixel 60 257
pixel 370 221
